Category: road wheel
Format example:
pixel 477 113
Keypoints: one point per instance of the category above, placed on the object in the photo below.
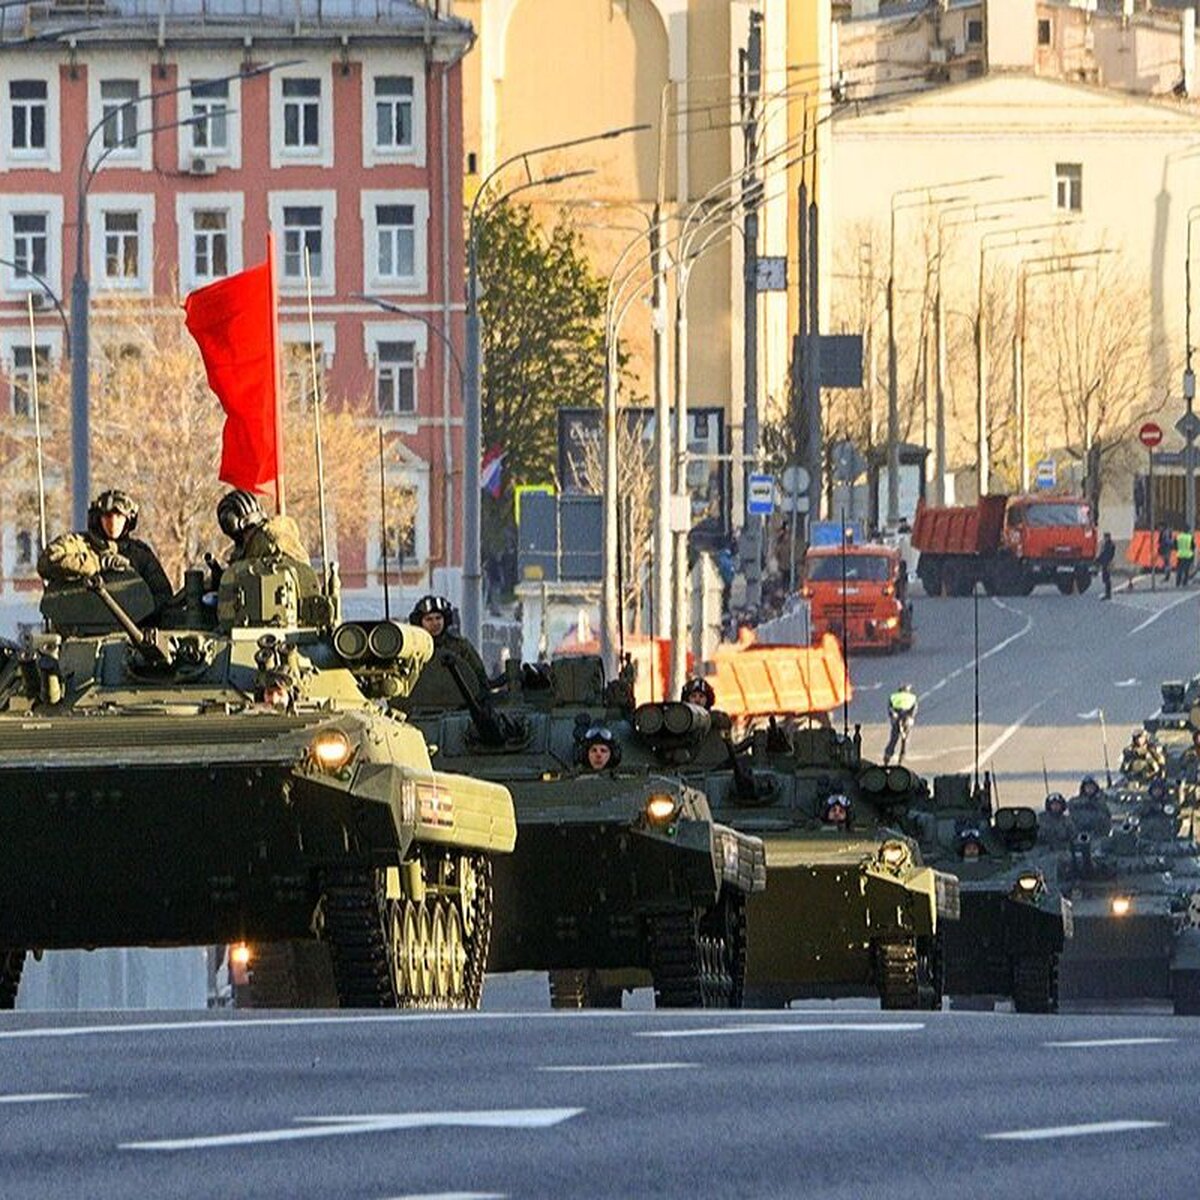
pixel 1035 983
pixel 582 989
pixel 12 963
pixel 1185 993
pixel 440 953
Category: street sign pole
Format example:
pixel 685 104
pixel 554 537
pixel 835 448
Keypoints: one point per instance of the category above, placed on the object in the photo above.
pixel 1151 435
pixel 1189 394
pixel 1153 531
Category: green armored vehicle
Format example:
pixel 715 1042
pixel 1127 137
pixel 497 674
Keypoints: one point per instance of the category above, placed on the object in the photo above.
pixel 621 878
pixel 232 777
pixel 1135 900
pixel 849 909
pixel 1013 921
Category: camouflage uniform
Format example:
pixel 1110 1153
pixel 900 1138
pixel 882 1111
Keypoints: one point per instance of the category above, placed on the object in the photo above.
pixel 73 557
pixel 276 537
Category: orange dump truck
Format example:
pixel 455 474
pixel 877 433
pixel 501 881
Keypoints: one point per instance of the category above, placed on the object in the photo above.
pixel 870 610
pixel 1010 544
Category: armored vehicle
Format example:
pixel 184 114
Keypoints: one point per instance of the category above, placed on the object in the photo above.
pixel 849 908
pixel 621 877
pixel 1013 921
pixel 1135 900
pixel 232 777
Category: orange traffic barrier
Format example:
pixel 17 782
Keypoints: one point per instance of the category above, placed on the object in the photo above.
pixel 759 681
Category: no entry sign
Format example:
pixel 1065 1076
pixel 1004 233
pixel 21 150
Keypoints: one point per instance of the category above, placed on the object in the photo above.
pixel 1150 435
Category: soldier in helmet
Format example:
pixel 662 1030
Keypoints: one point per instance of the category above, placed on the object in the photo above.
pixel 698 691
pixel 255 535
pixel 1090 812
pixel 435 614
pixel 1143 758
pixel 1055 827
pixel 599 750
pixel 106 548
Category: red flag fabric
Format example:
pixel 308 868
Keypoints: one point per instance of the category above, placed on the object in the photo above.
pixel 232 321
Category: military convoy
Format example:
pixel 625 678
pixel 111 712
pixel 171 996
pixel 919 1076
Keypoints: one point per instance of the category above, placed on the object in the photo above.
pixel 232 777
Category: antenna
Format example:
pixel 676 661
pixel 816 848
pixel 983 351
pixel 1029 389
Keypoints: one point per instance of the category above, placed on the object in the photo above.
pixel 37 424
pixel 316 386
pixel 387 604
pixel 975 603
pixel 845 639
pixel 1045 776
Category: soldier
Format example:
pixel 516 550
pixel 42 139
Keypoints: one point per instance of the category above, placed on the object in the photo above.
pixel 1142 757
pixel 1090 812
pixel 698 691
pixel 106 548
pixel 835 810
pixel 970 844
pixel 599 749
pixel 1055 827
pixel 435 614
pixel 255 535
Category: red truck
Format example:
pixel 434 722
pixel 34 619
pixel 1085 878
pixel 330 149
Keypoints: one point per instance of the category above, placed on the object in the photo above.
pixel 1010 544
pixel 873 605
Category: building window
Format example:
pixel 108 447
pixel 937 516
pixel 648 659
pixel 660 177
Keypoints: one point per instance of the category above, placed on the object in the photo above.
pixel 395 234
pixel 210 101
pixel 974 33
pixel 301 114
pixel 400 539
pixel 393 112
pixel 1069 186
pixel 28 99
pixel 117 107
pixel 301 231
pixel 25 544
pixel 21 377
pixel 396 378
pixel 29 244
pixel 210 243
pixel 1043 32
pixel 121 245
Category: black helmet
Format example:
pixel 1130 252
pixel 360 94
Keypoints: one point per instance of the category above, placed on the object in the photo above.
pixel 832 801
pixel 968 838
pixel 431 604
pixel 600 735
pixel 698 684
pixel 113 500
pixel 1056 803
pixel 239 511
pixel 1088 786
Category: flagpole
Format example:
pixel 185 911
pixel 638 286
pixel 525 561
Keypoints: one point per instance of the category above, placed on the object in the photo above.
pixel 280 502
pixel 37 424
pixel 312 357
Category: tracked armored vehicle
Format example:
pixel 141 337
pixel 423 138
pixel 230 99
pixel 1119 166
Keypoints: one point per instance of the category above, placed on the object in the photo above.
pixel 150 797
pixel 850 909
pixel 1013 920
pixel 621 878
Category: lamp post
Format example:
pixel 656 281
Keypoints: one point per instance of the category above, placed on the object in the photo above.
pixel 472 597
pixel 49 293
pixel 80 289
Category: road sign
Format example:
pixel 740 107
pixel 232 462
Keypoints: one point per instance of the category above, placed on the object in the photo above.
pixel 841 360
pixel 1047 473
pixel 795 503
pixel 795 481
pixel 760 495
pixel 1150 435
pixel 772 273
pixel 847 463
pixel 1188 428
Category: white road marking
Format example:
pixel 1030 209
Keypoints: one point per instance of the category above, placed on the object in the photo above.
pixel 1124 683
pixel 1065 1131
pixel 517 1118
pixel 1130 1041
pixel 663 1066
pixel 797 1027
pixel 454 1196
pixel 1166 608
pixel 1088 716
pixel 996 649
pixel 39 1097
pixel 999 741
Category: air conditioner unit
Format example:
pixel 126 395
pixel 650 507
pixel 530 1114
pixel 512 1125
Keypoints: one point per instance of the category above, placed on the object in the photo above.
pixel 202 166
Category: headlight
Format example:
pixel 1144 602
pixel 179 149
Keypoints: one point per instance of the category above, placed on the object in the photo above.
pixel 239 955
pixel 331 750
pixel 1120 906
pixel 661 809
pixel 894 854
pixel 1029 884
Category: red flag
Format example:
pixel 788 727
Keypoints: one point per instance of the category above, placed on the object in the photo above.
pixel 234 324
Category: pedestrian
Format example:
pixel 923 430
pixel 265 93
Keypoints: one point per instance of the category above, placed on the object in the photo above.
pixel 902 712
pixel 1166 543
pixel 1185 552
pixel 1107 552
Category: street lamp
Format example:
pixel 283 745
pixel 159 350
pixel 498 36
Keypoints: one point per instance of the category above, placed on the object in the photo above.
pixel 51 295
pixel 1189 376
pixel 472 597
pixel 84 175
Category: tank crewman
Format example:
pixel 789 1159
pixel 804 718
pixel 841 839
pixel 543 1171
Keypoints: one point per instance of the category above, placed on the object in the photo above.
pixel 107 547
pixel 435 614
pixel 1090 812
pixel 835 810
pixel 1056 828
pixel 971 844
pixel 599 750
pixel 1143 758
pixel 255 535
pixel 902 713
pixel 698 691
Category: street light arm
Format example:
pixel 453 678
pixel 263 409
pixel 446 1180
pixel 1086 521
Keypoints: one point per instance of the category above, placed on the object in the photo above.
pixel 49 291
pixel 388 306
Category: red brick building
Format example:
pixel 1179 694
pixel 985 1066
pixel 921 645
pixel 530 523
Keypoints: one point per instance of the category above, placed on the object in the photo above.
pixel 353 150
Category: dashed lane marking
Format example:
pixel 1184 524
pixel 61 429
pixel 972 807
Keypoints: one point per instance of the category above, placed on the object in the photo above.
pixel 601 1067
pixel 454 1196
pixel 1066 1131
pixel 999 741
pixel 39 1097
pixel 322 1127
pixel 1090 1043
pixel 996 649
pixel 797 1027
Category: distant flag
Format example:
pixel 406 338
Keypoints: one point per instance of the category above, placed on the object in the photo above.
pixel 491 474
pixel 234 322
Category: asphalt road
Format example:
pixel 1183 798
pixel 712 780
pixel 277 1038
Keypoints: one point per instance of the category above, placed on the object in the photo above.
pixel 1048 666
pixel 825 1102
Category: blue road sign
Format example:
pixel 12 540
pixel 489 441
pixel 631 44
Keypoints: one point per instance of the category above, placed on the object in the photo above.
pixel 1047 473
pixel 760 495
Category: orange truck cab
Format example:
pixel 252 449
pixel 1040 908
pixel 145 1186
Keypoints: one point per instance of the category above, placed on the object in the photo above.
pixel 872 607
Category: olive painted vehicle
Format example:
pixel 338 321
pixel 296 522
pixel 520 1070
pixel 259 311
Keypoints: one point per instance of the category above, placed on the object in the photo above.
pixel 621 878
pixel 849 908
pixel 1013 921
pixel 150 797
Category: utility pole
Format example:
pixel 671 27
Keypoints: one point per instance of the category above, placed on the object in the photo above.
pixel 1189 379
pixel 662 435
pixel 751 85
pixel 812 358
